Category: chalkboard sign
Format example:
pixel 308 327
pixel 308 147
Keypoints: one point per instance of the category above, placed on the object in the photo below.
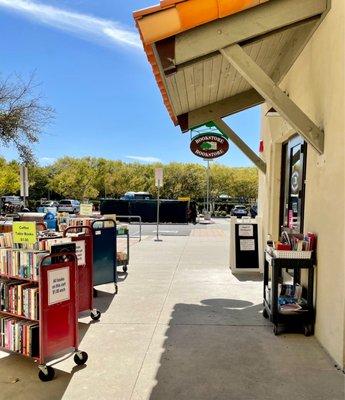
pixel 246 245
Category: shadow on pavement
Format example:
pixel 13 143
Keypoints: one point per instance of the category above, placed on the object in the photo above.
pixel 234 357
pixel 249 276
pixel 103 300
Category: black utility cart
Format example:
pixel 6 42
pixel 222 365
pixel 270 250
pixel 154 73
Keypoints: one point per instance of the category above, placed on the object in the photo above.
pixel 275 269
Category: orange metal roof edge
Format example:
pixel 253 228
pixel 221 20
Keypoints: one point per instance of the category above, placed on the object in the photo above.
pixel 172 17
pixel 152 60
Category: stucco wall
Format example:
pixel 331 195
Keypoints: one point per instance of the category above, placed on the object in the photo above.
pixel 316 84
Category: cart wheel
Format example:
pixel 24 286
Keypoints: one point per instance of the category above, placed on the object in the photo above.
pixel 95 315
pixel 116 289
pixel 276 330
pixel 124 268
pixel 308 330
pixel 265 313
pixel 80 358
pixel 47 375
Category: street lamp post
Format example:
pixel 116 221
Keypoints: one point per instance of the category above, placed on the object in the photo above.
pixel 208 187
pixel 208 208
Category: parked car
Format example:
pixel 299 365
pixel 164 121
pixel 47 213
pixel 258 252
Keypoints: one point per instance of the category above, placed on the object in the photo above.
pixel 70 206
pixel 239 211
pixel 136 196
pixel 50 203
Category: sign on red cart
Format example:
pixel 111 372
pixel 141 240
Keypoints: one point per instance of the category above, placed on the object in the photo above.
pixel 58 285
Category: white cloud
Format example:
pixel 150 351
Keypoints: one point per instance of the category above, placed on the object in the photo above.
pixel 145 159
pixel 86 26
pixel 44 161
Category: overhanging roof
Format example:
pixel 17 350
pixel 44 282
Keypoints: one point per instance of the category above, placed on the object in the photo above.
pixel 183 39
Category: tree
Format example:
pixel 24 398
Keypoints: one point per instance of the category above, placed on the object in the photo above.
pixel 221 180
pixel 246 182
pixel 75 178
pixel 9 178
pixel 184 180
pixel 22 116
pixel 39 180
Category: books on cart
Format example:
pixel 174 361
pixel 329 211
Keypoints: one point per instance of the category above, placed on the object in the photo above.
pixel 20 264
pixel 19 336
pixel 20 298
pixel 6 240
pixel 290 299
pixel 293 246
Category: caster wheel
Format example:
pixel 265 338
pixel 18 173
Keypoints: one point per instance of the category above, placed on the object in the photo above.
pixel 124 268
pixel 48 375
pixel 265 313
pixel 275 330
pixel 116 289
pixel 80 358
pixel 95 315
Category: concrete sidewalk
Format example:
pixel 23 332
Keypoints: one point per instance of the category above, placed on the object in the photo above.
pixel 182 327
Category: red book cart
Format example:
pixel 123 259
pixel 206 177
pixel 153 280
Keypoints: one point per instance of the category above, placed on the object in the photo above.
pixel 54 331
pixel 84 251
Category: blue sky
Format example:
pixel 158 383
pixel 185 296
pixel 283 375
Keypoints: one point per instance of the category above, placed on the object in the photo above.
pixel 93 72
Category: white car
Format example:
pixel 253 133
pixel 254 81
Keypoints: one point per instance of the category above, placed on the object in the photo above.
pixel 70 206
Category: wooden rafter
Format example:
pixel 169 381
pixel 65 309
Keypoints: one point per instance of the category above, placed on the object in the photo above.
pixel 226 130
pixel 243 26
pixel 264 85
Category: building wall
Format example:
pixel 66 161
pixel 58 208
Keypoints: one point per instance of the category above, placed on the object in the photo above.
pixel 316 84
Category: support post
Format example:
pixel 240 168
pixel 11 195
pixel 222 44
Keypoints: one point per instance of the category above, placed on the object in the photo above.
pixel 158 200
pixel 208 187
pixel 260 81
pixel 224 128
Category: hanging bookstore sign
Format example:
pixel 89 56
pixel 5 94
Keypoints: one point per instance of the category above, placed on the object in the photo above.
pixel 24 232
pixel 58 285
pixel 209 145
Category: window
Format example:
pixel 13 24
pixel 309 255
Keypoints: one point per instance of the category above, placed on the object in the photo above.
pixel 293 184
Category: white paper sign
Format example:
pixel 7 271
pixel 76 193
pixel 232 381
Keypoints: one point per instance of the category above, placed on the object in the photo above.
pixel 245 230
pixel 159 177
pixel 86 209
pixel 247 244
pixel 80 251
pixel 58 285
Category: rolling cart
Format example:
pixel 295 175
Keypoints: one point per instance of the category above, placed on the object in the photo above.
pixel 83 240
pixel 273 277
pixel 104 252
pixel 54 331
pixel 122 231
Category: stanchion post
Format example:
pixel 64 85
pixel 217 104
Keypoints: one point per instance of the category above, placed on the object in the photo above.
pixel 159 183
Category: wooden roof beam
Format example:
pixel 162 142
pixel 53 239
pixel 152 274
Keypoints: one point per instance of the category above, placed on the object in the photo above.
pixel 223 108
pixel 226 130
pixel 270 91
pixel 243 26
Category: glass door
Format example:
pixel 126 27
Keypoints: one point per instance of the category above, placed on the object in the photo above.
pixel 293 184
